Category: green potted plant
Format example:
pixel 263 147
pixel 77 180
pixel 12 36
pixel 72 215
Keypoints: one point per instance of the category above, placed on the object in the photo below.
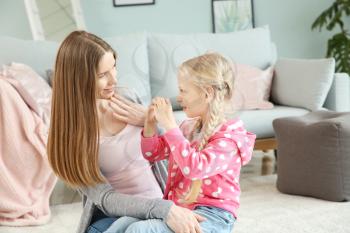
pixel 339 45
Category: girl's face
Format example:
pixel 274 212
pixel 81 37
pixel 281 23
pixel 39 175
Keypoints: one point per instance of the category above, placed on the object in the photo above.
pixel 191 98
pixel 106 76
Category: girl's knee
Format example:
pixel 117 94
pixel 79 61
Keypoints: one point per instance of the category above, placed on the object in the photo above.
pixel 147 226
pixel 136 227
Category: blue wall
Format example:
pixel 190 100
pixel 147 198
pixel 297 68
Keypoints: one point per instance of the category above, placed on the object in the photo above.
pixel 289 21
pixel 290 24
pixel 13 19
pixel 168 16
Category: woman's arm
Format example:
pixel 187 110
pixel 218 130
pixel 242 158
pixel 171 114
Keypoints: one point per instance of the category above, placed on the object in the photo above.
pixel 115 204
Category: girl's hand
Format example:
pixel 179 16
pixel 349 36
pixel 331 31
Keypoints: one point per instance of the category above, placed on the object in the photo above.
pixel 150 116
pixel 126 111
pixel 150 123
pixel 164 113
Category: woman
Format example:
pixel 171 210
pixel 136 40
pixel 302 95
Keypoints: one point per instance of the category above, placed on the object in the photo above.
pixel 81 116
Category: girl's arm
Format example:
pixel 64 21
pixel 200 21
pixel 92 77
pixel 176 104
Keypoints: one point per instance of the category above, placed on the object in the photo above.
pixel 153 147
pixel 224 151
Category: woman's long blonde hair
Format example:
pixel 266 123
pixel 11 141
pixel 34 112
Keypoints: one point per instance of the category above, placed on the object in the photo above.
pixel 74 129
pixel 215 71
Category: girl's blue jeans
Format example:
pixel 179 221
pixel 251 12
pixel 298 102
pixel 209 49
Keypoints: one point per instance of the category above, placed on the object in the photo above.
pixel 217 220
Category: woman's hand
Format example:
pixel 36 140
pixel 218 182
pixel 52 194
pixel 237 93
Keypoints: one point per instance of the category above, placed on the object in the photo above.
pixel 164 113
pixel 182 220
pixel 127 111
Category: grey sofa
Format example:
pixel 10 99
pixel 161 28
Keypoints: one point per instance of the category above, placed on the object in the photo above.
pixel 148 62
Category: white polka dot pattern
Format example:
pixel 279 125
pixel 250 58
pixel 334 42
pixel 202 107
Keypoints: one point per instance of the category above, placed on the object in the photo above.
pixel 207 182
pixel 186 170
pixel 148 154
pixel 200 166
pixel 181 185
pixel 222 143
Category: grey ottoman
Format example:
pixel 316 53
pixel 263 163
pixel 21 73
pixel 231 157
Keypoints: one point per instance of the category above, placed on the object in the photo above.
pixel 313 155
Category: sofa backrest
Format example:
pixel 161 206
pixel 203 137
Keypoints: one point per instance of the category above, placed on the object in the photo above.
pixel 147 64
pixel 40 55
pixel 166 52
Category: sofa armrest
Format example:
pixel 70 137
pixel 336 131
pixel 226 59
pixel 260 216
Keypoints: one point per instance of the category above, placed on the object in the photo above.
pixel 338 98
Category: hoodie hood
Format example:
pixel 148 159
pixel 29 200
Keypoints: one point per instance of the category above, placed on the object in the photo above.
pixel 234 130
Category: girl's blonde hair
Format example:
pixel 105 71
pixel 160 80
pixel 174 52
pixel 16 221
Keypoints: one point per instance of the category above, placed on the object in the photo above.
pixel 74 129
pixel 214 71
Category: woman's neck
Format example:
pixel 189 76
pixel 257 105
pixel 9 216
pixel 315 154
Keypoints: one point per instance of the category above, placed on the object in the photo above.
pixel 108 124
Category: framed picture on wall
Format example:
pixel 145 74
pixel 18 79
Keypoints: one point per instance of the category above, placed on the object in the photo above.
pixel 118 3
pixel 232 15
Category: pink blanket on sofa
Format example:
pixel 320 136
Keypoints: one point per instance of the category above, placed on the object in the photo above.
pixel 26 179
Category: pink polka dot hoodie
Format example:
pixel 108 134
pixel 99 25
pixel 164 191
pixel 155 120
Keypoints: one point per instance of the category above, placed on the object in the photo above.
pixel 218 164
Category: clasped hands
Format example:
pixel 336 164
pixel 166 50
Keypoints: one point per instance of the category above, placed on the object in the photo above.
pixel 161 112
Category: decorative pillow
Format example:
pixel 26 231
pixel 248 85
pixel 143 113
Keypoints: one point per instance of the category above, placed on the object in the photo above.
pixel 34 84
pixel 302 83
pixel 167 52
pixel 251 87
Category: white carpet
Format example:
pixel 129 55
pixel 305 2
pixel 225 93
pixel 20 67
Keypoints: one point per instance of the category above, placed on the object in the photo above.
pixel 263 210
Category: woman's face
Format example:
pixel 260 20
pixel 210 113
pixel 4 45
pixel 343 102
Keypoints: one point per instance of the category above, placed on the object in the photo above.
pixel 106 76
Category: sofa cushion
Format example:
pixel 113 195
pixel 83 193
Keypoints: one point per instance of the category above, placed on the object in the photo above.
pixel 252 86
pixel 167 52
pixel 258 122
pixel 132 64
pixel 302 83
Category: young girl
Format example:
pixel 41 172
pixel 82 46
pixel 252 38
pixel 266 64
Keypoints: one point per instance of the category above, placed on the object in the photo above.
pixel 205 153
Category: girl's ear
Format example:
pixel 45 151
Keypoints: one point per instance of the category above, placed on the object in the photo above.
pixel 209 94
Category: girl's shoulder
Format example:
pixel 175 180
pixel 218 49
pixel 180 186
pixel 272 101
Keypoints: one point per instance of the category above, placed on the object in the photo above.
pixel 232 125
pixel 232 129
pixel 187 126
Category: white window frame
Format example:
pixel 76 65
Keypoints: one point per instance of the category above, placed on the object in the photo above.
pixel 35 24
